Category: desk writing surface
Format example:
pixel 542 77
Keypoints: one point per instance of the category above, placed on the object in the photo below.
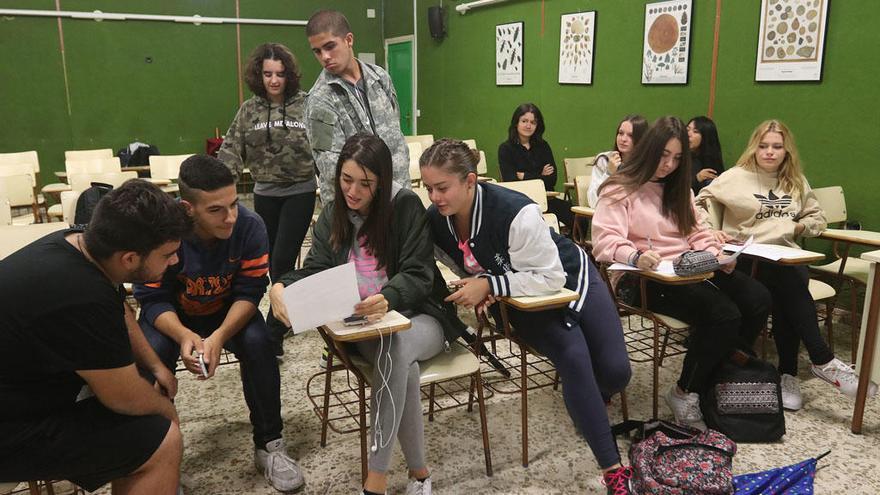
pixel 864 237
pixel 776 253
pixel 583 211
pixel 392 322
pixel 564 296
pixel 664 273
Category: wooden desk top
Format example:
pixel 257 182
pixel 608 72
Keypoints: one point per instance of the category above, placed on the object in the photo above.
pixel 392 322
pixel 550 301
pixel 863 237
pixel 136 168
pixel 15 237
pixel 583 211
pixel 872 256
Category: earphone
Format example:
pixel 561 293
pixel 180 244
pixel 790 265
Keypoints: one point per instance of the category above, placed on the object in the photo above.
pixel 384 372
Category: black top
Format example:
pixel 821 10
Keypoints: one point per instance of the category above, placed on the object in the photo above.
pixel 696 166
pixel 513 158
pixel 59 314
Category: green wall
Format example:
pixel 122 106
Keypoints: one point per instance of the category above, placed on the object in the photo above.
pixel 175 102
pixel 836 122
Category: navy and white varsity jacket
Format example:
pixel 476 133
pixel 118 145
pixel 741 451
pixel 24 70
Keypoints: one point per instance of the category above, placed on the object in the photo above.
pixel 522 256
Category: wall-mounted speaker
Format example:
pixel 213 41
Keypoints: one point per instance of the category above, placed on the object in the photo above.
pixel 436 23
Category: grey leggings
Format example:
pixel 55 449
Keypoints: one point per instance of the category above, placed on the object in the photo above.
pixel 404 421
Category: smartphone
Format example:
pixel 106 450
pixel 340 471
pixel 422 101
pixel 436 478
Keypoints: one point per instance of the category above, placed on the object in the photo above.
pixel 202 365
pixel 354 320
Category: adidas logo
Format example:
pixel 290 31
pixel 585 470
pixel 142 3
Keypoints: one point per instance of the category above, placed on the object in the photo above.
pixel 774 205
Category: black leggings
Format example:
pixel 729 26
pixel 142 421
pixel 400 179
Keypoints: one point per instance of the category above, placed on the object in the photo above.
pixel 794 314
pixel 287 220
pixel 725 312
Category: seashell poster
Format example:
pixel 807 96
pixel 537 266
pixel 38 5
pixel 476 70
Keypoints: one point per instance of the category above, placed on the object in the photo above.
pixel 666 48
pixel 509 54
pixel 791 40
pixel 576 42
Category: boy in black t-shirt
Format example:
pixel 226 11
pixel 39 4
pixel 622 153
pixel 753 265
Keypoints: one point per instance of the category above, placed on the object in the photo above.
pixel 209 301
pixel 72 404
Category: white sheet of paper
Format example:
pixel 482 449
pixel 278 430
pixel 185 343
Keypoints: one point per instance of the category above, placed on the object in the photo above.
pixel 665 267
pixel 731 257
pixel 326 296
pixel 770 251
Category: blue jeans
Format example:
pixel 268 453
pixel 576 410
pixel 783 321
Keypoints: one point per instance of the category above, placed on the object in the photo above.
pixel 260 378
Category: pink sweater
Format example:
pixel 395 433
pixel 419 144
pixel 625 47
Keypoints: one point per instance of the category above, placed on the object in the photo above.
pixel 620 227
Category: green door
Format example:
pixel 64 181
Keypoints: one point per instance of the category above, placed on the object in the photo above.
pixel 401 71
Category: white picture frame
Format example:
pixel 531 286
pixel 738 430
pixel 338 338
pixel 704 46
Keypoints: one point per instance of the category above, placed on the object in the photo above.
pixel 791 40
pixel 667 40
pixel 577 41
pixel 509 54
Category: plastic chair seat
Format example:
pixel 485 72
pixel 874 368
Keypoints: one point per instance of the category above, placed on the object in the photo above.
pixel 856 268
pixel 820 290
pixel 456 363
pixel 673 323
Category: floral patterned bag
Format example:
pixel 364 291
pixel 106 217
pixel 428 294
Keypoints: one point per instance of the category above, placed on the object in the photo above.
pixel 672 459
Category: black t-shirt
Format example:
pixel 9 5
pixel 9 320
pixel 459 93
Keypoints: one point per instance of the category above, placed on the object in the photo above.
pixel 514 157
pixel 58 314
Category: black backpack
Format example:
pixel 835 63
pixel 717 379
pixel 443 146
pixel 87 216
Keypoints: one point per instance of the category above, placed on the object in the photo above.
pixel 744 400
pixel 88 200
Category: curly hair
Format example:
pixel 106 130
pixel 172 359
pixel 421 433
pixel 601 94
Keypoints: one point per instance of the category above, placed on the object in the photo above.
pixel 253 72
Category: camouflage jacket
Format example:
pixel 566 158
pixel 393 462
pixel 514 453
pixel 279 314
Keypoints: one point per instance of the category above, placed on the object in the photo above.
pixel 270 140
pixel 329 124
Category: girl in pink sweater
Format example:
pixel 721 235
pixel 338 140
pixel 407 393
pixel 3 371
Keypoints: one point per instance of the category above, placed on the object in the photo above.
pixel 645 214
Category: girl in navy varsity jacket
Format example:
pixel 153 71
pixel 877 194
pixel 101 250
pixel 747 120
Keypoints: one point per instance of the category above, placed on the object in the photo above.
pixel 497 241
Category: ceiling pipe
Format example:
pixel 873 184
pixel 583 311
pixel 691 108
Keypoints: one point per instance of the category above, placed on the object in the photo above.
pixel 119 16
pixel 464 7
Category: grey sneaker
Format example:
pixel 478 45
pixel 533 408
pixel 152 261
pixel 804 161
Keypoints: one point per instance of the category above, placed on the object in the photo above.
pixel 842 376
pixel 791 392
pixel 280 470
pixel 416 487
pixel 685 409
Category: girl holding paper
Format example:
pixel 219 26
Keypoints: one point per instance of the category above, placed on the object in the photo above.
pixel 646 214
pixel 381 227
pixel 497 241
pixel 767 196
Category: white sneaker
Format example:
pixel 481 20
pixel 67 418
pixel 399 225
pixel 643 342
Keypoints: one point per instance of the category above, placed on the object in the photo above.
pixel 416 487
pixel 324 357
pixel 791 393
pixel 280 470
pixel 842 376
pixel 685 409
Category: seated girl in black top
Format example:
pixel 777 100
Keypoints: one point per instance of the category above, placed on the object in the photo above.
pixel 495 239
pixel 705 147
pixel 525 155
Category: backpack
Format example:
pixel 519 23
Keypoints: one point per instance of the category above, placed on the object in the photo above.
pixel 672 459
pixel 136 154
pixel 88 200
pixel 744 400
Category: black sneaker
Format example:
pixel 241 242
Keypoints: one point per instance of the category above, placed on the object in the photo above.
pixel 617 481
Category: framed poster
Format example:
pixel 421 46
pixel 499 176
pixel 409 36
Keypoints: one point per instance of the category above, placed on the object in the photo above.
pixel 666 47
pixel 791 40
pixel 509 54
pixel 576 41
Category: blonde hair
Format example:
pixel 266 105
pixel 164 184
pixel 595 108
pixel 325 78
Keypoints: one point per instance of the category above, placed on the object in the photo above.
pixel 791 175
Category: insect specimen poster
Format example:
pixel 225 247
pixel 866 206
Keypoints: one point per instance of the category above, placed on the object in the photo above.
pixel 791 40
pixel 576 41
pixel 667 42
pixel 509 54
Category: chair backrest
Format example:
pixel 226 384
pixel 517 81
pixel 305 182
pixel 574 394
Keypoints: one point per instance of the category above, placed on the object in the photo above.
pixel 81 182
pixel 423 195
pixel 533 188
pixel 8 169
pixel 68 205
pixel 582 185
pixel 833 202
pixel 425 140
pixel 415 152
pixel 166 166
pixel 551 221
pixel 5 210
pixel 19 188
pixel 22 157
pixel 15 237
pixel 87 154
pixel 482 167
pixel 93 166
pixel 577 166
pixel 472 143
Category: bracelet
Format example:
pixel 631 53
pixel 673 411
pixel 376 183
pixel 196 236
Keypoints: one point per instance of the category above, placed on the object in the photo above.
pixel 635 258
